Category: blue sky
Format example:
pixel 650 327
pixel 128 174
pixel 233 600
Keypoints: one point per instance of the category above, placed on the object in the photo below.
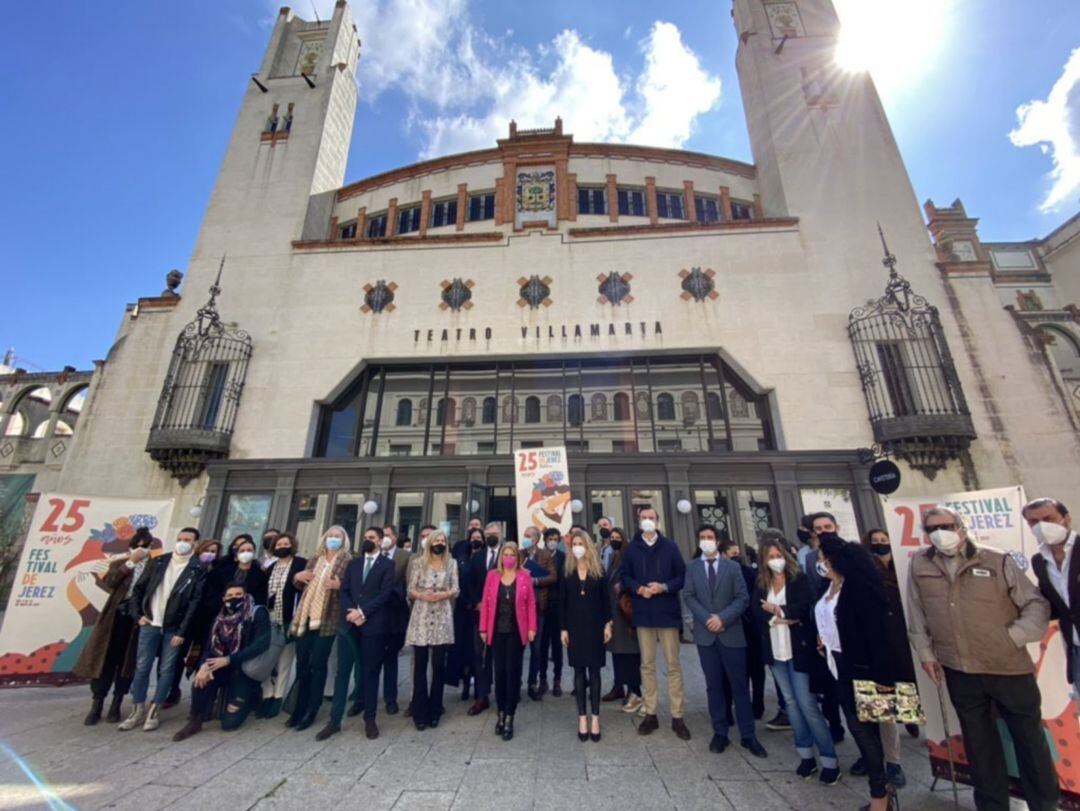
pixel 117 115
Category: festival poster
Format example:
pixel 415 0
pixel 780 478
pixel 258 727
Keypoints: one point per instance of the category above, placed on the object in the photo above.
pixel 58 591
pixel 993 519
pixel 543 489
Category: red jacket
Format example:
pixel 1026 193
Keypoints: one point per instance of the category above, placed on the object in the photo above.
pixel 524 605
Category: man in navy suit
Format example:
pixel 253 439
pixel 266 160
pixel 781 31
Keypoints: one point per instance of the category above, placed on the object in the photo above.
pixel 716 595
pixel 366 588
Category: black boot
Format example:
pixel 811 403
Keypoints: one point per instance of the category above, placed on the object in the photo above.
pixel 500 725
pixel 94 715
pixel 508 728
pixel 115 712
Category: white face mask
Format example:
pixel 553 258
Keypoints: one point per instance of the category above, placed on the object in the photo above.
pixel 541 545
pixel 945 541
pixel 579 552
pixel 777 564
pixel 1050 533
pixel 183 548
pixel 387 542
pixel 648 525
pixel 707 547
pixel 821 569
pixel 245 557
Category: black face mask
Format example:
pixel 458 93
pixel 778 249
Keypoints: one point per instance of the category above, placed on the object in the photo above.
pixel 605 533
pixel 476 543
pixel 234 604
pixel 438 548
pixel 492 540
pixel 268 541
pixel 881 549
pixel 616 544
pixel 803 535
pixel 368 546
pixel 821 536
pixel 282 552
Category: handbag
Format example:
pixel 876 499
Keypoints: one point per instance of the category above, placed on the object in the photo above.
pixel 626 607
pixel 876 703
pixel 260 667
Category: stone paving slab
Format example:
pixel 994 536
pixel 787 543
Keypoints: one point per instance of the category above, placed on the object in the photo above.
pixel 460 765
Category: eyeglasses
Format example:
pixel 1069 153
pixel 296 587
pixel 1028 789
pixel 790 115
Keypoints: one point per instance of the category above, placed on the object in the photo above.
pixel 948 527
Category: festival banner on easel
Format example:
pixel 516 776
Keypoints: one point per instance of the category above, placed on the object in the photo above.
pixel 993 519
pixel 58 592
pixel 543 489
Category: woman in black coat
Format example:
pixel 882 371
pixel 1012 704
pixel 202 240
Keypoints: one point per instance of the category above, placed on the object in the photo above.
pixel 585 621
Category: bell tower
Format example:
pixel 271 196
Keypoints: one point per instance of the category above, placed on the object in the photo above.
pixel 290 141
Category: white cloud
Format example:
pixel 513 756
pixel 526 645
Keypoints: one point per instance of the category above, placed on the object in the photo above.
pixel 1054 125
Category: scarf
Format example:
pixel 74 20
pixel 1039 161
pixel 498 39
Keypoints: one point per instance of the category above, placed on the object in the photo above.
pixel 226 632
pixel 310 613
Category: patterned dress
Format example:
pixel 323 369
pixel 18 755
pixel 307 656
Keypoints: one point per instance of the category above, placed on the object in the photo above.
pixel 432 623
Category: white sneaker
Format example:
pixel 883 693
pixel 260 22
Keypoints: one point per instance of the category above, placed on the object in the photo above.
pixel 633 704
pixel 138 715
pixel 153 719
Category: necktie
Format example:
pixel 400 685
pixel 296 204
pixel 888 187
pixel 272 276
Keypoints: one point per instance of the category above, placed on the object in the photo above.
pixel 712 575
pixel 491 560
pixel 367 567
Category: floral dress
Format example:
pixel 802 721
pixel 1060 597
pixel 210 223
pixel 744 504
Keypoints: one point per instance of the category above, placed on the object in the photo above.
pixel 432 623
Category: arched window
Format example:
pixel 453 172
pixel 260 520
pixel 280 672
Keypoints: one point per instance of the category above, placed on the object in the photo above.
pixel 715 411
pixel 554 408
pixel 404 412
pixel 690 410
pixel 665 406
pixel 488 417
pixel 599 407
pixel 446 412
pixel 30 416
pixel 532 409
pixel 575 410
pixel 621 406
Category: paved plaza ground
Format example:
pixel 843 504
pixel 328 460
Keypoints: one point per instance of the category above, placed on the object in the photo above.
pixel 459 765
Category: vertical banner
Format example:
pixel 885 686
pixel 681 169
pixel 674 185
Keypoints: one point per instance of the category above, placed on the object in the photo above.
pixel 58 591
pixel 993 519
pixel 543 489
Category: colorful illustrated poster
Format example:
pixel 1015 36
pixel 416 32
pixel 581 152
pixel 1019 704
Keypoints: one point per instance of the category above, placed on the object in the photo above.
pixel 543 489
pixel 993 519
pixel 58 593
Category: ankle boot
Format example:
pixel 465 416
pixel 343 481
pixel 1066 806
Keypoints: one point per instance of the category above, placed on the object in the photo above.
pixel 192 727
pixel 500 725
pixel 138 715
pixel 508 728
pixel 115 711
pixel 94 715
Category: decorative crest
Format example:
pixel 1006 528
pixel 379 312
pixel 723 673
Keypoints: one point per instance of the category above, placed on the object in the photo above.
pixel 614 288
pixel 698 284
pixel 535 292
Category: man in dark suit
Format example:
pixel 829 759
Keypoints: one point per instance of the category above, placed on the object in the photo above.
pixel 1057 568
pixel 550 641
pixel 397 616
pixel 716 595
pixel 366 588
pixel 480 564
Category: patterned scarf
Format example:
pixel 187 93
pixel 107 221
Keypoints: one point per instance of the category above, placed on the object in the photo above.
pixel 225 635
pixel 310 613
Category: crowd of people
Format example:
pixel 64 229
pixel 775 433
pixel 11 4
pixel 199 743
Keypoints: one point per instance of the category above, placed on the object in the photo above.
pixel 278 633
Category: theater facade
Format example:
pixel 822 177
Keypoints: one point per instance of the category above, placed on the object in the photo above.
pixel 725 341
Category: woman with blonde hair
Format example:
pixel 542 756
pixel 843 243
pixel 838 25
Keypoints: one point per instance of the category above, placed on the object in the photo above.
pixel 507 626
pixel 433 586
pixel 585 614
pixel 315 622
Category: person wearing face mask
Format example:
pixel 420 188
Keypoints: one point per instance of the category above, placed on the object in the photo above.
pixel 433 586
pixel 240 567
pixel 585 613
pixel 540 564
pixel 1058 572
pixel 395 615
pixel 823 525
pixel 282 599
pixel 466 611
pixel 717 597
pixel 482 562
pixel 624 648
pixel 550 643
pixel 785 611
pixel 269 537
pixel 603 531
pixel 315 622
pixel 366 590
pixel 755 664
pixel 240 632
pixel 807 540
pixel 164 602
pixel 653 573
pixel 971 615
pixel 108 658
pixel 507 626
pixel 463 548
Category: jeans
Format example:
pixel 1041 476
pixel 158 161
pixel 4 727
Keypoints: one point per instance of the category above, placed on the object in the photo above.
pixel 427 702
pixel 979 700
pixel 312 655
pixel 803 711
pixel 278 683
pixel 507 655
pixel 534 651
pixel 717 661
pixel 154 643
pixel 587 678
pixel 111 675
pixel 240 691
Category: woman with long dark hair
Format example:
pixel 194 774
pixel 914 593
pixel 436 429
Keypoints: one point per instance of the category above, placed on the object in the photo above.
pixel 624 649
pixel 851 631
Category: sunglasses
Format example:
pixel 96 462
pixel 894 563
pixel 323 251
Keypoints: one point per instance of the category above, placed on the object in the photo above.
pixel 948 527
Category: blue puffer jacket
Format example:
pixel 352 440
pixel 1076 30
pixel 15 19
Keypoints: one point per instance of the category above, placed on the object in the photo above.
pixel 662 563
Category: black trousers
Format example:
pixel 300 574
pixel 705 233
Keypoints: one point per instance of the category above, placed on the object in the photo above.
pixel 627 667
pixel 312 656
pixel 508 655
pixel 362 653
pixel 867 736
pixel 981 699
pixel 482 661
pixel 587 677
pixel 427 701
pixel 551 644
pixel 111 670
pixel 394 643
pixel 240 691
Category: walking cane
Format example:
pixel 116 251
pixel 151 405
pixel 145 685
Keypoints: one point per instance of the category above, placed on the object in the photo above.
pixel 948 744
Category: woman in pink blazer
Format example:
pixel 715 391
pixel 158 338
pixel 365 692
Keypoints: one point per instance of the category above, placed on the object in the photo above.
pixel 507 625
